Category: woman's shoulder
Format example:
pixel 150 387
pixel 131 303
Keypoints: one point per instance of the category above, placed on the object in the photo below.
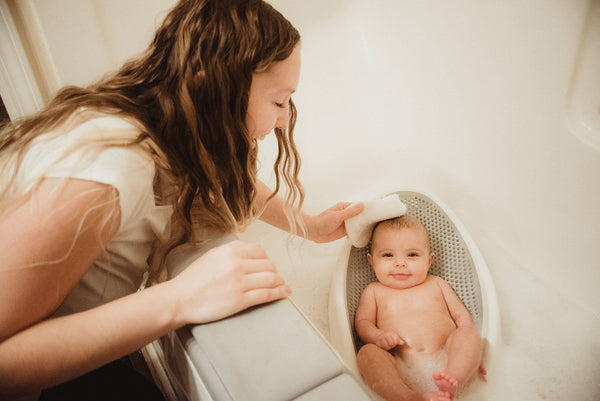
pixel 105 149
pixel 103 128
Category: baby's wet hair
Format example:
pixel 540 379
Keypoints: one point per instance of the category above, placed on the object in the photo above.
pixel 398 223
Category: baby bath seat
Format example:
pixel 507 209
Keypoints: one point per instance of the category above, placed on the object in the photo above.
pixel 457 260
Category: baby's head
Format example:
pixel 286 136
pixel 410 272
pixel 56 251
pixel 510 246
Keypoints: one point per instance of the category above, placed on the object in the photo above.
pixel 402 222
pixel 400 252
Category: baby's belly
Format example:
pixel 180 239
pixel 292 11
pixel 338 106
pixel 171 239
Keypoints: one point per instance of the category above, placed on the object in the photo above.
pixel 425 336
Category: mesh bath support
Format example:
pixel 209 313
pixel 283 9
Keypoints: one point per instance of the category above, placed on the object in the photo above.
pixel 457 260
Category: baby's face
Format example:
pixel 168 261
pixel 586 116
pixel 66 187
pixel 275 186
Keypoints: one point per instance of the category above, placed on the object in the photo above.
pixel 400 257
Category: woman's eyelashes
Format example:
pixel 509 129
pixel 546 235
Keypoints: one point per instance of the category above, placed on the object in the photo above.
pixel 283 104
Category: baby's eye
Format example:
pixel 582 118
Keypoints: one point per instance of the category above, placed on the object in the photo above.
pixel 413 254
pixel 387 255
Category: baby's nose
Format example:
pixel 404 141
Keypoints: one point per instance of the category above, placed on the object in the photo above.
pixel 401 262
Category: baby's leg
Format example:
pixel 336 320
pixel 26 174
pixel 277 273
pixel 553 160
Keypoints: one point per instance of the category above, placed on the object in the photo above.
pixel 379 370
pixel 464 349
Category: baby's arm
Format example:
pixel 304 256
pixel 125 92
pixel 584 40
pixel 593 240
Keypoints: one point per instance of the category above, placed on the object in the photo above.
pixel 458 311
pixel 366 316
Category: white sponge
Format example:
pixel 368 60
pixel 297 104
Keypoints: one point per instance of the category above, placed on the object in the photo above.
pixel 359 227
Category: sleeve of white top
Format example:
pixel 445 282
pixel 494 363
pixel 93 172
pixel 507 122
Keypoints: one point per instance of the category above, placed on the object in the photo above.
pixel 126 169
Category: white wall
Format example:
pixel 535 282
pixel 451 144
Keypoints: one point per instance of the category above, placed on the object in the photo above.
pixel 87 38
pixel 468 100
pixel 463 99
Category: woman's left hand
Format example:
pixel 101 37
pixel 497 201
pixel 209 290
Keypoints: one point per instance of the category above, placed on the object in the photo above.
pixel 329 225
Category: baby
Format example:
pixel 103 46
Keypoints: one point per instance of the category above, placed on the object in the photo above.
pixel 418 335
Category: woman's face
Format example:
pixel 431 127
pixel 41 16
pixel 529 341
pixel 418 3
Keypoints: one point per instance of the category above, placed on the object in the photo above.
pixel 270 95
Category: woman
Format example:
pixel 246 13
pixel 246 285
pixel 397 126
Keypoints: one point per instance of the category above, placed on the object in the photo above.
pixel 102 183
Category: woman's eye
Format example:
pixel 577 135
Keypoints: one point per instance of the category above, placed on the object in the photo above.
pixel 284 104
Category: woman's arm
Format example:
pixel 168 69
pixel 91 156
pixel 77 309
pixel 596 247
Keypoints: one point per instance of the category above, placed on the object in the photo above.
pixel 48 241
pixel 326 227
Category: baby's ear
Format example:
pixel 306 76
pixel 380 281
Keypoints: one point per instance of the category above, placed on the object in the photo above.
pixel 431 256
pixel 370 259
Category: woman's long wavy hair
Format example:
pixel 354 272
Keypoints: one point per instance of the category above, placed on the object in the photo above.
pixel 188 93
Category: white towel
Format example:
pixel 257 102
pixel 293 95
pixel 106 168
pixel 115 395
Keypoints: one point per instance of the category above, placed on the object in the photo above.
pixel 359 227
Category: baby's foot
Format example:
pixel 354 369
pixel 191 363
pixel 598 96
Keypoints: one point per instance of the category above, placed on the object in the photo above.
pixel 482 371
pixel 437 396
pixel 445 382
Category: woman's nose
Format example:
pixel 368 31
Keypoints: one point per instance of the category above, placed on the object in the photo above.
pixel 283 118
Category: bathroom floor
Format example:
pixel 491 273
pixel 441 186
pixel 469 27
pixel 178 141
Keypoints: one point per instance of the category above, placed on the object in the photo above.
pixel 550 348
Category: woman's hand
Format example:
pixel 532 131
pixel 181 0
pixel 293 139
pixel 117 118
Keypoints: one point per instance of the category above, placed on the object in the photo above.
pixel 329 225
pixel 226 280
pixel 325 227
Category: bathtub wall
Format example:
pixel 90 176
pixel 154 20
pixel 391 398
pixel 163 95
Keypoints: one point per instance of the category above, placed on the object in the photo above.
pixel 467 100
pixel 470 101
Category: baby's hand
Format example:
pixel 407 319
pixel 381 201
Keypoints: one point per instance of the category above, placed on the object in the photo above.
pixel 388 340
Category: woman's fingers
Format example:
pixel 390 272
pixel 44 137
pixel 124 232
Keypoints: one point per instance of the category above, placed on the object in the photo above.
pixel 261 280
pixel 353 210
pixel 261 283
pixel 263 295
pixel 348 209
pixel 250 266
pixel 228 279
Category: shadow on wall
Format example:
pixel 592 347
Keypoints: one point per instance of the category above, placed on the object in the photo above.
pixel 4 118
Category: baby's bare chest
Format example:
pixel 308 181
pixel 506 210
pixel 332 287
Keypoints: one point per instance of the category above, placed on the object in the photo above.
pixel 423 306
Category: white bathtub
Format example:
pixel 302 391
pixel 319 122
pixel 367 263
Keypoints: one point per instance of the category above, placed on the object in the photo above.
pixel 490 106
pixel 471 101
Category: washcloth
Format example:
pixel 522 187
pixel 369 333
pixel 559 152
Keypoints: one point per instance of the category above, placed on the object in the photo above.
pixel 359 227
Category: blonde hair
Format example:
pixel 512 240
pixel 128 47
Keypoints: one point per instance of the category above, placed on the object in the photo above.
pixel 188 95
pixel 402 222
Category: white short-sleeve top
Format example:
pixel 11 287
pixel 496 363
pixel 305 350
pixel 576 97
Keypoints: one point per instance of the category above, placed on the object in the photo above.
pixel 120 268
